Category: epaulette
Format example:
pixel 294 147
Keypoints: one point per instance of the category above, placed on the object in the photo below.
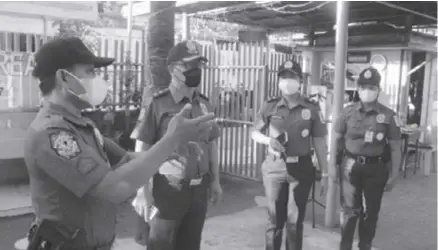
pixel 273 99
pixel 51 121
pixel 161 93
pixel 204 97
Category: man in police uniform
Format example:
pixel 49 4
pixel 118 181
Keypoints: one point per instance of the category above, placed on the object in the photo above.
pixel 77 177
pixel 290 126
pixel 180 189
pixel 364 131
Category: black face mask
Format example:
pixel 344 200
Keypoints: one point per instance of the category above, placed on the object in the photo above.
pixel 193 77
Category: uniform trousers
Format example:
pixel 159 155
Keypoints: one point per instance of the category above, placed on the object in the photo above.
pixel 363 186
pixel 287 188
pixel 181 214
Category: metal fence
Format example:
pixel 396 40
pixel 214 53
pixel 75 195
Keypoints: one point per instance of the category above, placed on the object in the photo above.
pixel 238 78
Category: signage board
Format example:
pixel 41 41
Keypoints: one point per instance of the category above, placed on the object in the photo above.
pixel 79 10
pixel 359 57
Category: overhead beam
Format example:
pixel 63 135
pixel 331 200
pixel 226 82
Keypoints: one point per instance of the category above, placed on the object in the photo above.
pixel 391 5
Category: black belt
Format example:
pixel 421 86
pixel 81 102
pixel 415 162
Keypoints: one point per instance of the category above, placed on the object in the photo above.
pixel 195 181
pixel 290 159
pixel 366 159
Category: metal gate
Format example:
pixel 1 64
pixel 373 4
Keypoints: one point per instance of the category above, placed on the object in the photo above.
pixel 239 77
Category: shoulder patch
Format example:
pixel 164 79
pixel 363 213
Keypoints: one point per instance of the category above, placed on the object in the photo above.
pixel 161 93
pixel 52 121
pixel 64 143
pixel 273 99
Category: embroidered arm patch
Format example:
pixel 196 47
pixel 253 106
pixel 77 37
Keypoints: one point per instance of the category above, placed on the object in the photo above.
pixel 65 144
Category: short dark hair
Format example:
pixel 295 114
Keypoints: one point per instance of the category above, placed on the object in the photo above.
pixel 47 86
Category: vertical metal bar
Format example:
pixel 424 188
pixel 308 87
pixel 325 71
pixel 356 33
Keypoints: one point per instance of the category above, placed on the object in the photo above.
pixel 123 74
pixel 185 20
pixel 137 71
pixel 340 59
pixel 128 73
pixel 115 75
pixel 143 60
pixel 44 29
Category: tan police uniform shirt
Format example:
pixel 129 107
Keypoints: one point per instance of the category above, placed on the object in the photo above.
pixel 366 133
pixel 65 157
pixel 154 119
pixel 301 121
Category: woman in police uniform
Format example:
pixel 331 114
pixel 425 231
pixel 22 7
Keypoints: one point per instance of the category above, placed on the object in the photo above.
pixel 368 137
pixel 289 125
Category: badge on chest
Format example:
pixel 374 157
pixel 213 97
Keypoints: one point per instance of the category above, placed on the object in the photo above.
pixel 305 114
pixel 369 136
pixel 380 118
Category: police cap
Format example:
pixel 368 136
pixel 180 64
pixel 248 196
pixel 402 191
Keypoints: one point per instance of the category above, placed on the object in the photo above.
pixel 186 51
pixel 290 68
pixel 62 53
pixel 369 76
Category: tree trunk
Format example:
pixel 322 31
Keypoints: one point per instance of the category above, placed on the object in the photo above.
pixel 160 39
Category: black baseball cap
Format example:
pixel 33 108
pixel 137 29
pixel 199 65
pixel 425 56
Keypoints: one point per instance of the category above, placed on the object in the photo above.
pixel 369 76
pixel 62 53
pixel 186 51
pixel 290 67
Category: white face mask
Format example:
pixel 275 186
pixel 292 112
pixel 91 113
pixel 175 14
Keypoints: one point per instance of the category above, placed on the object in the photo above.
pixel 95 88
pixel 289 86
pixel 368 95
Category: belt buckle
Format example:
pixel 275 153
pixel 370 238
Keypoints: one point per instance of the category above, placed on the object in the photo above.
pixel 292 159
pixel 362 159
pixel 196 182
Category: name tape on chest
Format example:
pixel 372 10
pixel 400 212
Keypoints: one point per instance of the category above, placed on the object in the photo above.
pixel 65 144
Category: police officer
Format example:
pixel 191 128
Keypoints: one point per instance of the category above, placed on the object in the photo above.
pixel 290 126
pixel 180 188
pixel 77 176
pixel 363 131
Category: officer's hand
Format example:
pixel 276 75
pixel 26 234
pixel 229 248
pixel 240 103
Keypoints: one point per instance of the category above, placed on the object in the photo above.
pixel 143 203
pixel 216 192
pixel 276 145
pixel 389 185
pixel 187 129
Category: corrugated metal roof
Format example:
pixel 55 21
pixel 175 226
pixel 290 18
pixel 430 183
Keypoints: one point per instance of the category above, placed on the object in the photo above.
pixel 303 16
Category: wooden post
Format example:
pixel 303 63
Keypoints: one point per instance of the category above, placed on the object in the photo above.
pixel 340 59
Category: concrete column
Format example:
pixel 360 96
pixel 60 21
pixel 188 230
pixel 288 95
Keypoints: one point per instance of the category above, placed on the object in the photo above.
pixel 339 85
